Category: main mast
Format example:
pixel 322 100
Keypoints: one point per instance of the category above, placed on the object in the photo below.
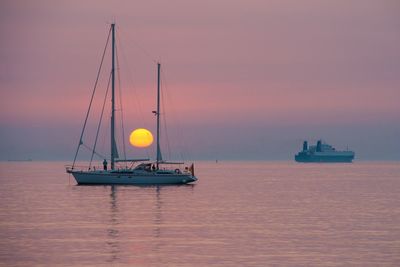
pixel 113 148
pixel 159 157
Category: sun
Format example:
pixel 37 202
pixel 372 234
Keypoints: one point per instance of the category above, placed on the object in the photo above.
pixel 141 138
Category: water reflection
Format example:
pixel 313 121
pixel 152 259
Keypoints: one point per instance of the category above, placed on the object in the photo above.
pixel 120 233
pixel 112 231
pixel 157 222
pixel 288 215
pixel 157 213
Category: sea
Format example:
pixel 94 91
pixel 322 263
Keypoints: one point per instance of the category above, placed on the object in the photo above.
pixel 239 213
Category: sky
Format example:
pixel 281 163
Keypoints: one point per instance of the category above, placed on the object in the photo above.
pixel 242 80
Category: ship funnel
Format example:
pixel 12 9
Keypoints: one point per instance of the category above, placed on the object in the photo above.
pixel 319 146
pixel 305 146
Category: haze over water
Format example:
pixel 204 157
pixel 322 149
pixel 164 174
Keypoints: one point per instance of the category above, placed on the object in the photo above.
pixel 239 213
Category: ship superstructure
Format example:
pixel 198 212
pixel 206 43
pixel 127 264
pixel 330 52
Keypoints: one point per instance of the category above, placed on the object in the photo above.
pixel 322 152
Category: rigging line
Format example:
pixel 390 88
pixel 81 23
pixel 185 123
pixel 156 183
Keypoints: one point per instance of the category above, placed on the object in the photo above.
pixel 165 116
pixel 91 99
pixel 120 103
pixel 137 103
pixel 101 119
pixel 89 148
pixel 141 48
pixel 178 124
pixel 106 129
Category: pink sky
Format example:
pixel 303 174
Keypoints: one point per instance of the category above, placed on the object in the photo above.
pixel 236 71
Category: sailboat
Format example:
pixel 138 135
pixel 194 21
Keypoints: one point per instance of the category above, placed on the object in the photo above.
pixel 142 171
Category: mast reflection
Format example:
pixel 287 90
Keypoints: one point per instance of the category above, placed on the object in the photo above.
pixel 112 231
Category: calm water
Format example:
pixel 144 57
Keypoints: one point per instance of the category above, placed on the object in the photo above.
pixel 238 214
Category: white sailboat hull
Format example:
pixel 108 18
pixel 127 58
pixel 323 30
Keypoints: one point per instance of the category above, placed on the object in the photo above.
pixel 109 177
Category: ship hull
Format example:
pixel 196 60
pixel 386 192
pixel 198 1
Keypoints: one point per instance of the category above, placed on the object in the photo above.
pixel 99 177
pixel 319 158
pixel 323 152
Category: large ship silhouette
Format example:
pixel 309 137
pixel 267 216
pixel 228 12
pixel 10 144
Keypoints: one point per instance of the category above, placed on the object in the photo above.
pixel 323 152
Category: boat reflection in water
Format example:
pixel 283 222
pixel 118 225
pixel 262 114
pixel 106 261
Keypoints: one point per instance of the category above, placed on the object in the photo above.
pixel 112 231
pixel 130 231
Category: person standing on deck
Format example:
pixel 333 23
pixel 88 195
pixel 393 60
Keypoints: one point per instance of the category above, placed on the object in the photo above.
pixel 105 164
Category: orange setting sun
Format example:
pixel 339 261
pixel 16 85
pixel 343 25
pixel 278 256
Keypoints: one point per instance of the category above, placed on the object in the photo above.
pixel 141 138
